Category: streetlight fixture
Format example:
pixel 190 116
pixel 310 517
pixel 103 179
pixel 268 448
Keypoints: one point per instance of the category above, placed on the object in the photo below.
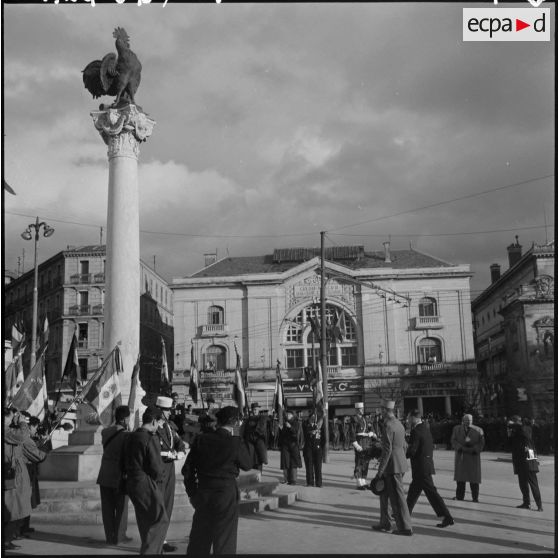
pixel 28 235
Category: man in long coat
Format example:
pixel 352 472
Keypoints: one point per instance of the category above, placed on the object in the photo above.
pixel 468 441
pixel 526 470
pixel 172 448
pixel 392 466
pixel 114 502
pixel 145 474
pixel 314 432
pixel 421 451
pixel 210 473
pixel 291 441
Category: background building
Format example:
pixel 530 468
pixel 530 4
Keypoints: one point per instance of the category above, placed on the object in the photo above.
pixel 71 290
pixel 403 320
pixel 514 335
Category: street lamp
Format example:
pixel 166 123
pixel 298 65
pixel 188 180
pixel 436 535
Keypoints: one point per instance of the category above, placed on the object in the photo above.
pixel 28 235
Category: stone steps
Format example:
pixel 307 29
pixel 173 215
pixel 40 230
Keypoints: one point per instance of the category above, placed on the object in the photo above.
pixel 79 503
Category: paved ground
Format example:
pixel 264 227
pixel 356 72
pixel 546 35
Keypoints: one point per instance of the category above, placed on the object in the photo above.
pixel 337 519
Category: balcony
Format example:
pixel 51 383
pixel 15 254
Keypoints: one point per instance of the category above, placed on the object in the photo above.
pixel 80 310
pixel 427 322
pixel 214 330
pixel 434 367
pixel 97 310
pixel 99 278
pixel 82 343
pixel 80 278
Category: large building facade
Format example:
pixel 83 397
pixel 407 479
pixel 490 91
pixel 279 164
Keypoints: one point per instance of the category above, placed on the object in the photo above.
pixel 71 291
pixel 402 323
pixel 514 335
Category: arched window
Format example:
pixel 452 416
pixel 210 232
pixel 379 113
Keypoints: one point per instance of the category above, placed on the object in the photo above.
pixel 428 306
pixel 215 315
pixel 215 358
pixel 429 351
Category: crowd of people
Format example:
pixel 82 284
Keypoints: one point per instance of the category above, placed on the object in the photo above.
pixel 139 466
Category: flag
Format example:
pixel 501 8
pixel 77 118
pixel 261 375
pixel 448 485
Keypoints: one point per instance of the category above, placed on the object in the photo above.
pixel 45 332
pixel 136 395
pixel 279 397
pixel 14 374
pixel 319 392
pixel 165 387
pixel 194 377
pixel 103 392
pixel 72 365
pixel 18 337
pixel 338 331
pixel 239 393
pixel 8 188
pixel 32 396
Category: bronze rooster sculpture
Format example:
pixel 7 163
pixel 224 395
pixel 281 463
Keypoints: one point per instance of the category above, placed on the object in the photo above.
pixel 115 75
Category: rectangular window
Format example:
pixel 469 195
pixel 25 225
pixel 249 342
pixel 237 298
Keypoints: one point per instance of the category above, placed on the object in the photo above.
pixel 349 356
pixel 83 334
pixel 295 358
pixel 82 369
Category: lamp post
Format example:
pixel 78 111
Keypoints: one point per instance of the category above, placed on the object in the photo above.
pixel 27 235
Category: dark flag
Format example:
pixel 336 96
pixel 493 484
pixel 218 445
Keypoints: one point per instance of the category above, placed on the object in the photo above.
pixel 72 365
pixel 239 393
pixel 194 377
pixel 136 394
pixel 165 386
pixel 279 397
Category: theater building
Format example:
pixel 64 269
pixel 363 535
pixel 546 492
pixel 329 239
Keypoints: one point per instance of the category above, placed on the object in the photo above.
pixel 402 323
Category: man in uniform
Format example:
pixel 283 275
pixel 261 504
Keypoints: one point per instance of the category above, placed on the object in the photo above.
pixel 172 448
pixel 363 442
pixel 114 502
pixel 144 470
pixel 420 451
pixel 314 432
pixel 210 473
pixel 392 466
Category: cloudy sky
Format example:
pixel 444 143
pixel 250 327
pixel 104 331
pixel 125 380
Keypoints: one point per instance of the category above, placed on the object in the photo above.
pixel 278 121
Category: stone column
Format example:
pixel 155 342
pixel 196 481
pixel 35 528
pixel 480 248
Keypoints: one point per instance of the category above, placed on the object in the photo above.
pixel 123 130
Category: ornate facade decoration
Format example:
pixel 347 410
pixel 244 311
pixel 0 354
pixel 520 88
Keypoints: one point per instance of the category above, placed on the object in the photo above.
pixel 123 129
pixel 309 289
pixel 544 286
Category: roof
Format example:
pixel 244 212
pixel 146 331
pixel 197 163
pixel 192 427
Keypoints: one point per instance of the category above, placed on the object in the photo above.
pixel 360 259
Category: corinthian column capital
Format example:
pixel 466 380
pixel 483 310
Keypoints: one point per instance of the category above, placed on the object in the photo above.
pixel 123 129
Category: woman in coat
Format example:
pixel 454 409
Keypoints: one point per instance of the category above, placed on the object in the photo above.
pixel 18 450
pixel 291 441
pixel 468 441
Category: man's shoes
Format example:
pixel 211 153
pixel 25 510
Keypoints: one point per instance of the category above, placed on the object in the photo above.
pixel 169 547
pixel 476 500
pixel 28 530
pixel 381 529
pixel 363 487
pixel 456 498
pixel 524 506
pixel 446 522
pixel 540 508
pixel 11 546
pixel 403 532
pixel 126 539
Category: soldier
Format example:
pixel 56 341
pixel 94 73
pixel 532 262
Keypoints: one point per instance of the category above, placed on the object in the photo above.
pixel 114 503
pixel 172 448
pixel 210 473
pixel 363 443
pixel 314 432
pixel 255 432
pixel 144 470
pixel 291 441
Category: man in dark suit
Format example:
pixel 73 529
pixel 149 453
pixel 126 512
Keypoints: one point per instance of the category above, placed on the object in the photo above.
pixel 314 432
pixel 392 466
pixel 210 473
pixel 526 469
pixel 420 451
pixel 145 474
pixel 114 503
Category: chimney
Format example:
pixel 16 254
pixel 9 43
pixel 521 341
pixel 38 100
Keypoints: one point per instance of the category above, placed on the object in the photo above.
pixel 514 252
pixel 494 272
pixel 210 258
pixel 387 254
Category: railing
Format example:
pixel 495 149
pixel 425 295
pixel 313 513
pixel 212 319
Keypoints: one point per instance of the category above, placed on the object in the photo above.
pixel 80 310
pixel 99 278
pixel 431 367
pixel 428 322
pixel 80 278
pixel 97 309
pixel 82 343
pixel 214 329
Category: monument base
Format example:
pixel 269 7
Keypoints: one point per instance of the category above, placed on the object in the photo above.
pixel 72 463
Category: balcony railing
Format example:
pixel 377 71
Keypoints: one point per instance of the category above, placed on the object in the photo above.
pixel 80 278
pixel 428 322
pixel 214 330
pixel 431 367
pixel 80 310
pixel 82 343
pixel 99 278
pixel 97 310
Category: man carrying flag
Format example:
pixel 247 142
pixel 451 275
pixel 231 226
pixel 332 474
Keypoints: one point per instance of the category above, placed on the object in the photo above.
pixel 103 392
pixel 194 377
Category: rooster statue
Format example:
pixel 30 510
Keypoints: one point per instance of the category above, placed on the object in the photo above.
pixel 115 75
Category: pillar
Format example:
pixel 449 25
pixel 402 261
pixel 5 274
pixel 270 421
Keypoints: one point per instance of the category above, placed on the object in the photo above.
pixel 447 405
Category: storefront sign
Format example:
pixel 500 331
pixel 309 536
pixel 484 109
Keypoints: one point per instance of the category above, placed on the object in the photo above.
pixel 349 386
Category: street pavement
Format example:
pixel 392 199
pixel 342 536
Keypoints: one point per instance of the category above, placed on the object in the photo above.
pixel 337 518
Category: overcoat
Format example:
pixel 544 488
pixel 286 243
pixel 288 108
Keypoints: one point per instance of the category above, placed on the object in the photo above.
pixel 19 449
pixel 468 447
pixel 112 461
pixel 421 451
pixel 393 458
pixel 520 440
pixel 290 442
